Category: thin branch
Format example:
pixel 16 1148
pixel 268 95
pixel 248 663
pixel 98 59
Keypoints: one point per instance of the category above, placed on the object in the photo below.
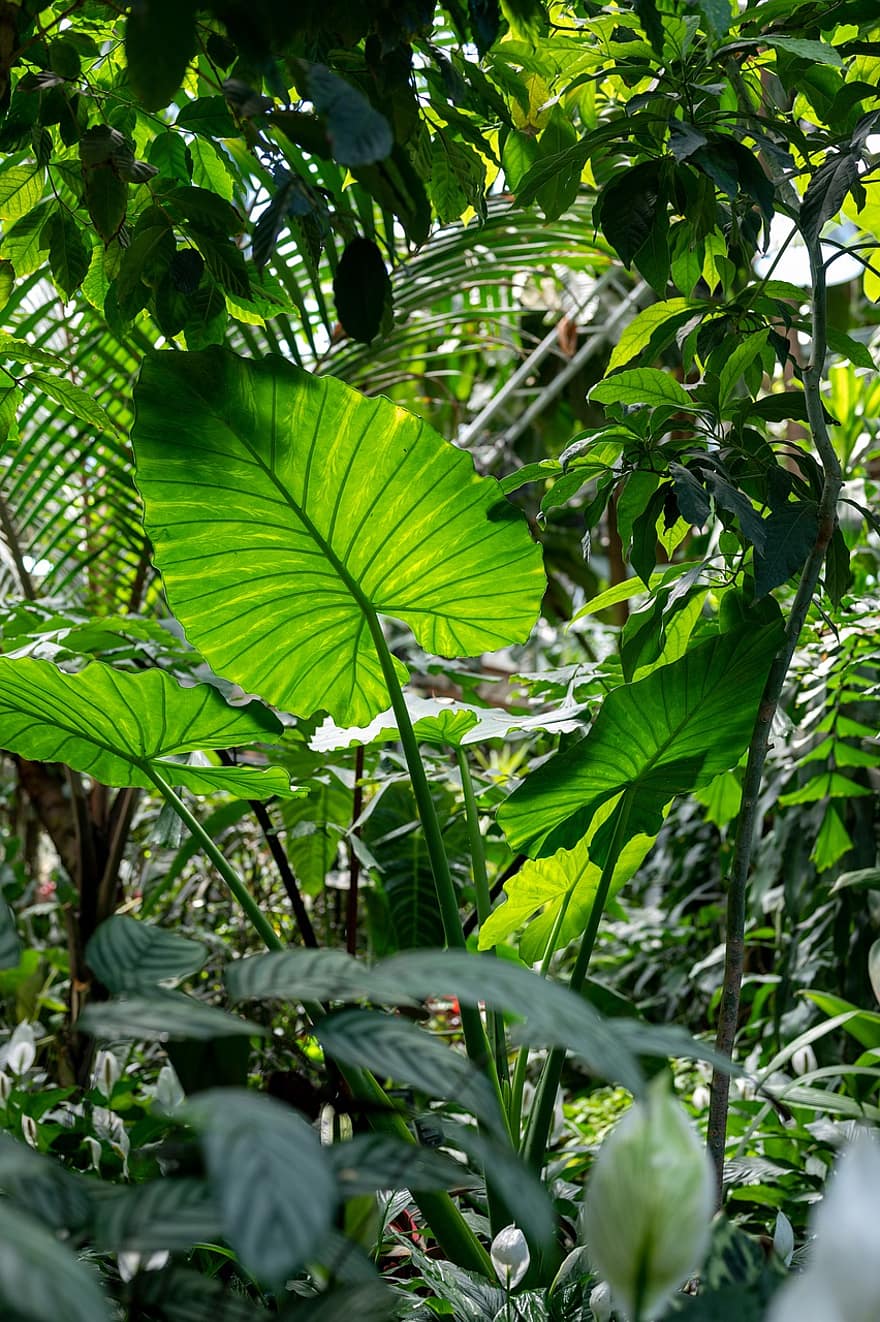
pixel 354 864
pixel 26 583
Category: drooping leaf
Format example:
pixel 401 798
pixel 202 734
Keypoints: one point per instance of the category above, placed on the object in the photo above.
pixel 638 333
pixel 362 290
pixel 167 1213
pixel 332 508
pixel 358 132
pixel 826 193
pixel 40 1277
pixel 77 401
pixel 21 187
pixel 69 257
pixel 790 534
pixel 667 734
pixel 10 946
pixel 160 41
pixel 273 1182
pixel 395 1049
pixel 128 955
pixel 370 1162
pixel 310 975
pixel 627 207
pixel 161 1016
pixel 178 1295
pixel 116 726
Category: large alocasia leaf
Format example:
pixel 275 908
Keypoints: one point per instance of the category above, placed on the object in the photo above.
pixel 117 726
pixel 667 734
pixel 287 511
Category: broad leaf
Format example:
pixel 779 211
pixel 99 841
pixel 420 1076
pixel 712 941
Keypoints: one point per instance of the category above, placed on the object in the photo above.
pixel 127 955
pixel 10 946
pixel 166 1213
pixel 329 508
pixel 273 1181
pixel 159 1017
pixel 117 726
pixel 370 1162
pixel 637 335
pixel 667 734
pixel 565 883
pixel 40 1278
pixel 395 1049
pixel 790 535
pixel 311 975
pixel 642 385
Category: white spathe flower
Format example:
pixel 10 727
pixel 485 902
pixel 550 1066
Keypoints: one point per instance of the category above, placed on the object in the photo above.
pixel 646 1217
pixel 783 1238
pixel 20 1051
pixel 130 1264
pixel 169 1094
pixel 510 1256
pixel 5 1088
pixel 804 1060
pixel 601 1305
pixel 106 1073
pixel 842 1282
pixel 94 1148
pixel 29 1130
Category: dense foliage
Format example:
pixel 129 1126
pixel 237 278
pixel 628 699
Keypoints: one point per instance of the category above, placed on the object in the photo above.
pixel 440 635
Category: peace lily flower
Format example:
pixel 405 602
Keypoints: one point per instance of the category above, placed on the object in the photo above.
pixel 510 1256
pixel 20 1051
pixel 648 1205
pixel 106 1073
pixel 130 1264
pixel 842 1281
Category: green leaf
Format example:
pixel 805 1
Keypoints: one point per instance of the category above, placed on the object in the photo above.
pixel 115 726
pixel 826 194
pixel 743 355
pixel 106 199
pixel 395 1049
pixel 160 1017
pixel 21 187
pixel 457 178
pixel 370 1162
pixel 172 1214
pixel 362 290
pixel 10 946
pixel 225 260
pixel 271 1176
pixel 310 975
pixel 359 134
pixel 838 575
pixel 817 52
pixel 640 331
pixel 22 243
pixel 667 734
pixel 396 187
pixel 178 1295
pixel 75 400
pixel 565 883
pixel 69 257
pixel 208 116
pixel 40 1278
pixel 716 16
pixel 790 535
pixel 642 385
pixel 333 508
pixel 160 41
pixel 627 207
pixel 128 955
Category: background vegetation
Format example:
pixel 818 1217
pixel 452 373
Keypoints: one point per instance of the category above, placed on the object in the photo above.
pixel 623 259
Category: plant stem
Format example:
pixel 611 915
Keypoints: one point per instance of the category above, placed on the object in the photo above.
pixel 541 1118
pixel 494 1021
pixel 522 1059
pixel 354 862
pixel 440 1212
pixel 734 956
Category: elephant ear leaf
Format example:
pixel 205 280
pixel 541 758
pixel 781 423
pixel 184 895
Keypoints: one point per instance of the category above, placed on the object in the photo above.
pixel 288 512
pixel 668 734
pixel 124 728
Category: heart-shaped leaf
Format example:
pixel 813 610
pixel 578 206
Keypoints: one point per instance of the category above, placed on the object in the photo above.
pixel 288 511
pixel 117 726
pixel 667 734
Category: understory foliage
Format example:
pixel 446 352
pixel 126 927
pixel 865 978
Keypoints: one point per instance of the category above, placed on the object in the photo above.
pixel 439 676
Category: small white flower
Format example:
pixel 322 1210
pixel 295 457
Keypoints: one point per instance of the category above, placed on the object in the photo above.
pixel 5 1088
pixel 130 1264
pixel 804 1060
pixel 648 1207
pixel 20 1051
pixel 94 1148
pixel 169 1094
pixel 510 1256
pixel 600 1302
pixel 783 1238
pixel 842 1282
pixel 702 1097
pixel 29 1130
pixel 109 1127
pixel 106 1073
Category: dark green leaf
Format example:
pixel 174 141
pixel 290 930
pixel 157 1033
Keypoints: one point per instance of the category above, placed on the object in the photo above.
pixel 160 1016
pixel 370 1162
pixel 791 532
pixel 10 946
pixel 40 1278
pixel 127 955
pixel 311 975
pixel 396 187
pixel 160 41
pixel 665 735
pixel 362 290
pixel 826 194
pixel 208 116
pixel 171 1214
pixel 395 1049
pixel 358 133
pixel 838 575
pixel 69 256
pixel 726 497
pixel 271 1176
pixel 627 206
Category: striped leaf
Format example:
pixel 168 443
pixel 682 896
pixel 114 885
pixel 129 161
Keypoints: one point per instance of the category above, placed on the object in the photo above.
pixel 41 1278
pixel 10 946
pixel 287 512
pixel 126 954
pixel 160 1017
pixel 274 1184
pixel 163 1214
pixel 118 726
